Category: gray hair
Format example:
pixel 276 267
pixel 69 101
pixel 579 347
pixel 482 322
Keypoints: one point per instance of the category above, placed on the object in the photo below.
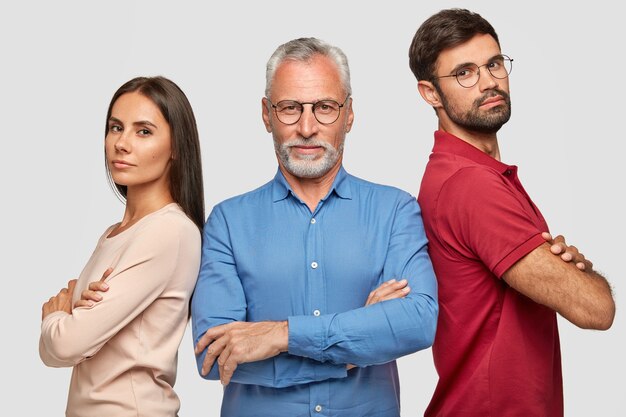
pixel 303 50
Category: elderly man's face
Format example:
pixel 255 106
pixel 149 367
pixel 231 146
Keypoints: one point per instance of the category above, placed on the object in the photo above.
pixel 308 149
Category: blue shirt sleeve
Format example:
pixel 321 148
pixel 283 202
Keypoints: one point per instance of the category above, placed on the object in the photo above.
pixel 387 330
pixel 219 299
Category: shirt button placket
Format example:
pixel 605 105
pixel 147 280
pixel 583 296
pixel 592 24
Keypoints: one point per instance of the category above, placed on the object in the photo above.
pixel 319 393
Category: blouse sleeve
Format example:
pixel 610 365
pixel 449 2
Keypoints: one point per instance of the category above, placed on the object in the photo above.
pixel 138 278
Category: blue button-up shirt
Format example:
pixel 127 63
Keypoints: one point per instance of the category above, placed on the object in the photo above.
pixel 266 256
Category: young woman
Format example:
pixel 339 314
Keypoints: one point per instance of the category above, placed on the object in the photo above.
pixel 124 347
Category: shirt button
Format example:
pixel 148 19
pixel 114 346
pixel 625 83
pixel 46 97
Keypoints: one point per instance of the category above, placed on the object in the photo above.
pixel 313 220
pixel 316 313
pixel 313 265
pixel 318 408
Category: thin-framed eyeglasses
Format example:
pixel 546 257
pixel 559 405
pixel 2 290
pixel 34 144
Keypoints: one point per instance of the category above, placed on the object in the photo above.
pixel 468 75
pixel 325 111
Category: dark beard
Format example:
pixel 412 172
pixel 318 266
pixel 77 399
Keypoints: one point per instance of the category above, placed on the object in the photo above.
pixel 474 120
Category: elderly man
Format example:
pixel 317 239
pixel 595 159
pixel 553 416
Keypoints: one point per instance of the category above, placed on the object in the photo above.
pixel 283 312
pixel 497 346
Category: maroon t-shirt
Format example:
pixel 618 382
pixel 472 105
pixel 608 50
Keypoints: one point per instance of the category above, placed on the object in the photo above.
pixel 496 351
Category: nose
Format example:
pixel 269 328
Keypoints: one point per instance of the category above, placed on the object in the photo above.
pixel 308 125
pixel 122 143
pixel 486 81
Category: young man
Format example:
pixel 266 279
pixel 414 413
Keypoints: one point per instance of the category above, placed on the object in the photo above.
pixel 290 265
pixel 497 345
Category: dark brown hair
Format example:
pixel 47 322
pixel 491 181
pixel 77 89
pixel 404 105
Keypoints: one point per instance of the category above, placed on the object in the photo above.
pixel 443 30
pixel 186 166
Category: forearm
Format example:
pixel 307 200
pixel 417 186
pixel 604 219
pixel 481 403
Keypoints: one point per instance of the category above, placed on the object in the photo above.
pixel 594 307
pixel 582 297
pixel 52 349
pixel 282 371
pixel 366 336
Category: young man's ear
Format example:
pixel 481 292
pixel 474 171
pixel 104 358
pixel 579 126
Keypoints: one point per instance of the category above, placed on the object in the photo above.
pixel 429 93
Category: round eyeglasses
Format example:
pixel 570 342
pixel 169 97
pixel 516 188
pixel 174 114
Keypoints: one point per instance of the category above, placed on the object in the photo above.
pixel 468 74
pixel 325 111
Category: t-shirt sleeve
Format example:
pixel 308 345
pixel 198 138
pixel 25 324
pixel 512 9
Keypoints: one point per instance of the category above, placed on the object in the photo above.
pixel 480 215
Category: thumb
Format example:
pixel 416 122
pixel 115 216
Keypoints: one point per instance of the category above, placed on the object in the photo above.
pixel 106 274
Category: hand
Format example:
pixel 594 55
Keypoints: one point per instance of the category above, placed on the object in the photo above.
pixel 567 253
pixel 388 290
pixel 90 296
pixel 241 342
pixel 60 302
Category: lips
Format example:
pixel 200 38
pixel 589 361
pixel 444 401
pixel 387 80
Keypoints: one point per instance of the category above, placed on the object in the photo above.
pixel 307 149
pixel 496 99
pixel 120 164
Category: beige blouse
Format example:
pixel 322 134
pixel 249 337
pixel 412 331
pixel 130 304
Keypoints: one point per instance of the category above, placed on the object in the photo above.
pixel 124 348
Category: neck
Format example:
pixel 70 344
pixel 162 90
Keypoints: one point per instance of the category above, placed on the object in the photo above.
pixel 141 201
pixel 311 190
pixel 486 142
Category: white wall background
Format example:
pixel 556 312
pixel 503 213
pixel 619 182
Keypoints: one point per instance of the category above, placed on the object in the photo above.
pixel 61 62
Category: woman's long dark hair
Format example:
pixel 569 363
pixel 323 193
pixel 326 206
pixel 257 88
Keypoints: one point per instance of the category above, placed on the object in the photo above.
pixel 186 166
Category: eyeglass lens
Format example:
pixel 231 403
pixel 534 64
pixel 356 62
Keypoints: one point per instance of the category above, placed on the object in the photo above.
pixel 499 67
pixel 325 111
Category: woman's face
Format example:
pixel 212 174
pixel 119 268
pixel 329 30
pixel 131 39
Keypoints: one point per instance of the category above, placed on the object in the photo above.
pixel 138 144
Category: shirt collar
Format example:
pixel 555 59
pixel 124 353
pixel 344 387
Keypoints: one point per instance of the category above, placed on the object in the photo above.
pixel 341 186
pixel 448 143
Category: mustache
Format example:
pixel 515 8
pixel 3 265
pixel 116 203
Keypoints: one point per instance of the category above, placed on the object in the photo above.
pixel 492 93
pixel 307 142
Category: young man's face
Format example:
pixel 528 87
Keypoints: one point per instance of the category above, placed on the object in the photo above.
pixel 483 107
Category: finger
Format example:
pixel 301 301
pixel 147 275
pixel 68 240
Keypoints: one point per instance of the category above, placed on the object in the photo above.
pixel 210 335
pixel 558 248
pixel 547 236
pixel 401 293
pixel 225 363
pixel 228 370
pixel 203 342
pixel 558 245
pixel 391 291
pixel 84 303
pixel 380 291
pixel 106 274
pixel 90 295
pixel 374 294
pixel 98 286
pixel 580 265
pixel 389 287
pixel 70 287
pixel 572 254
pixel 213 352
